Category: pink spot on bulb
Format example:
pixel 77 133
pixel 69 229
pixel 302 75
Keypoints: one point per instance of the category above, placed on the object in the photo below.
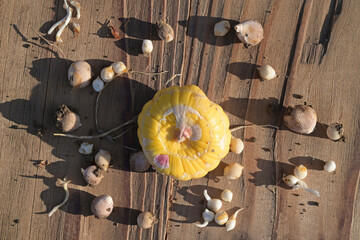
pixel 162 161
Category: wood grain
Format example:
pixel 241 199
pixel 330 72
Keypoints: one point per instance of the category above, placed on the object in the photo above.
pixel 313 45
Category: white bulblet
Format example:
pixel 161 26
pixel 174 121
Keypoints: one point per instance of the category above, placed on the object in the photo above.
pixel 335 131
pixel 266 72
pixel 107 74
pixel 221 28
pixel 300 172
pixel 329 166
pixel 98 84
pixel 236 145
pixel 221 218
pixel 147 47
pixel 213 204
pixel 86 148
pixel 227 195
pixel 119 68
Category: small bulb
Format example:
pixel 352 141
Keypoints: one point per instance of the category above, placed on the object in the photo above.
pixel 208 216
pixel 102 159
pixel 102 206
pixel 92 175
pixel 119 68
pixel 146 220
pixel 221 28
pixel 165 31
pixel 236 145
pixel 233 171
pixel 300 172
pixel 266 72
pixel 221 218
pixel 75 28
pixel 231 223
pixel 304 186
pixel 147 47
pixel 79 74
pixel 300 119
pixel 227 195
pixel 139 162
pixel 249 32
pixel 290 180
pixel 107 74
pixel 98 84
pixel 212 203
pixel 67 120
pixel 329 166
pixel 86 148
pixel 335 131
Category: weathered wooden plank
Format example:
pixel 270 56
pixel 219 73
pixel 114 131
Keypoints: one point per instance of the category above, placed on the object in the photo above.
pixel 326 86
pixel 303 39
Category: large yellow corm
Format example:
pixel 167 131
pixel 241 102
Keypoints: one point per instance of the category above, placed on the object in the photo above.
pixel 183 133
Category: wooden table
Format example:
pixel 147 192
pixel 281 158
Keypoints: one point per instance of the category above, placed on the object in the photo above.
pixel 314 47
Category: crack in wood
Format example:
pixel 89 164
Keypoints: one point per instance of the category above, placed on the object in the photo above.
pixel 334 12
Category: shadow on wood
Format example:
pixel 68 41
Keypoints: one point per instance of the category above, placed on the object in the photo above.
pixel 269 171
pixel 194 196
pixel 243 70
pixel 202 29
pixel 128 97
pixel 118 216
pixel 308 162
pixel 217 172
pixel 79 201
pixel 139 29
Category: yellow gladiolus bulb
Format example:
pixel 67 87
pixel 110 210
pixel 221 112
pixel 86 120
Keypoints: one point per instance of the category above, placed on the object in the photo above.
pixel 182 133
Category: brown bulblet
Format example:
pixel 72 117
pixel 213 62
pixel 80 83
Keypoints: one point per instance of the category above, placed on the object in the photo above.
pixel 102 206
pixel 165 31
pixel 67 120
pixel 300 118
pixel 92 175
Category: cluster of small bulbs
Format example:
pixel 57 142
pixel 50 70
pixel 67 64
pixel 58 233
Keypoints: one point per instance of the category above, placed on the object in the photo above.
pixel 221 217
pixel 79 74
pixel 231 172
pixel 75 27
pixel 303 119
pixel 300 172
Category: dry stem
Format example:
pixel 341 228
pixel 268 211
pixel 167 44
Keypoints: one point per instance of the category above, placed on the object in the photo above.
pixel 47 41
pixel 252 125
pixel 64 184
pixel 99 135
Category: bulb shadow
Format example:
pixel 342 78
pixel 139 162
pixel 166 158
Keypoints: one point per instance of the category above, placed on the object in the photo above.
pixel 243 70
pixel 79 201
pixel 267 169
pixel 266 174
pixel 130 45
pixel 103 31
pixel 217 172
pixel 138 29
pixel 202 29
pixel 308 162
pixel 194 196
pixel 118 213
